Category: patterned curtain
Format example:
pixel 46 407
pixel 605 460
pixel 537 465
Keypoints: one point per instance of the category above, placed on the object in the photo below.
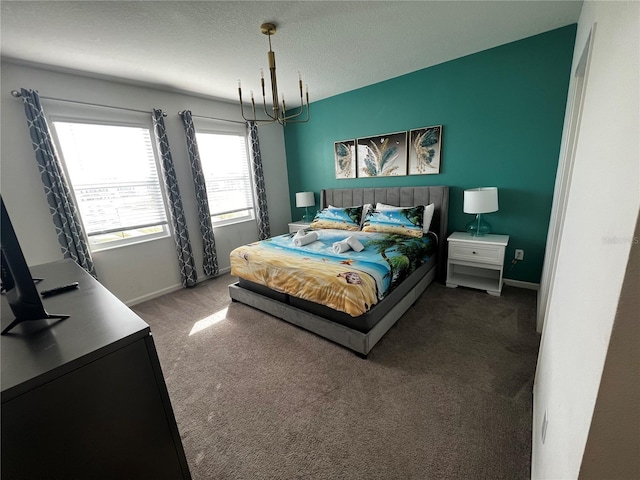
pixel 264 229
pixel 180 233
pixel 63 211
pixel 210 257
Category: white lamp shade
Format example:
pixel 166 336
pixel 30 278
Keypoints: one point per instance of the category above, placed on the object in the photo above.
pixel 305 199
pixel 481 200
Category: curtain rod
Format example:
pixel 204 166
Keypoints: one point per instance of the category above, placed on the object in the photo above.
pixel 213 118
pixel 17 94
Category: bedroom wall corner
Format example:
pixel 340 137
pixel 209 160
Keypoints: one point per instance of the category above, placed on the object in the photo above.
pixel 502 112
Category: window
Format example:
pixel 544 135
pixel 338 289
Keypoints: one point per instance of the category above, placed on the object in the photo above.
pixel 225 167
pixel 114 178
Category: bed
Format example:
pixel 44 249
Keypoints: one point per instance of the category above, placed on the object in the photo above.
pixel 358 331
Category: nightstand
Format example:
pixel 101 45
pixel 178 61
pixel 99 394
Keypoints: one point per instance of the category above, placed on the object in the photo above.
pixel 476 262
pixel 299 225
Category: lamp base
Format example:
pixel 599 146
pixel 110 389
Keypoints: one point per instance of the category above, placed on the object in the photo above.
pixel 478 227
pixel 307 217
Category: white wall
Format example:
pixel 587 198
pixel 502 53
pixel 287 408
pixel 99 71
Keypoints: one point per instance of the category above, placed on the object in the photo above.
pixel 595 241
pixel 135 272
pixel 614 436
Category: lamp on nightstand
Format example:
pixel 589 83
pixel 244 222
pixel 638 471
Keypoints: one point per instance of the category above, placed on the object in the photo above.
pixel 306 200
pixel 479 201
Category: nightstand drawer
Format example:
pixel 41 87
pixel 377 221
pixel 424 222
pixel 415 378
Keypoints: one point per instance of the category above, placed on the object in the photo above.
pixel 473 253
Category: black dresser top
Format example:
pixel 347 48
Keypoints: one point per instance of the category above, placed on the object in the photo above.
pixel 36 352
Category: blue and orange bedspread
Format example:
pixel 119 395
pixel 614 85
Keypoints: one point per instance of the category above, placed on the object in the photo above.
pixel 350 282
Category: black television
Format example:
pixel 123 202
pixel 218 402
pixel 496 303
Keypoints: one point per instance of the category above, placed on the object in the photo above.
pixel 17 282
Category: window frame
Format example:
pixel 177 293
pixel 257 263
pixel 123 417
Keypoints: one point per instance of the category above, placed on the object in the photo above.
pixel 95 115
pixel 210 126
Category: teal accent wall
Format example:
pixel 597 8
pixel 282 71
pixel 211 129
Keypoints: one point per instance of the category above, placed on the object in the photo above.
pixel 502 112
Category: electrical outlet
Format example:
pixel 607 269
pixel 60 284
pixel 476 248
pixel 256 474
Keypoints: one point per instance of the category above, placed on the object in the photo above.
pixel 519 254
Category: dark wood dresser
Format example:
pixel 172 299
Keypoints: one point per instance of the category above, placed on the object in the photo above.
pixel 85 398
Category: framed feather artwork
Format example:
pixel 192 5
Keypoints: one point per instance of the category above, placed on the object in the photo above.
pixel 382 155
pixel 425 146
pixel 345 158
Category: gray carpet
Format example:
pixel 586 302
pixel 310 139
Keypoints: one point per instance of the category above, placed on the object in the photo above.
pixel 446 393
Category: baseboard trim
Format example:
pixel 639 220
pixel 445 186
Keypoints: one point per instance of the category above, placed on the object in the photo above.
pixel 172 288
pixel 152 295
pixel 521 284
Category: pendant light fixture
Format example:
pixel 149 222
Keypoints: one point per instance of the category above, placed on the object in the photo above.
pixel 279 109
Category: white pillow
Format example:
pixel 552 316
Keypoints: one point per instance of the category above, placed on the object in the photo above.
pixel 428 216
pixel 426 219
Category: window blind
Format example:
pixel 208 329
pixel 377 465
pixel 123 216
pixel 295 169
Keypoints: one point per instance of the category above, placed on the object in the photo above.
pixel 226 172
pixel 114 176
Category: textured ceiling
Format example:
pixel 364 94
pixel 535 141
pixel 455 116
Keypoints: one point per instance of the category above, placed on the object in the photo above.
pixel 205 47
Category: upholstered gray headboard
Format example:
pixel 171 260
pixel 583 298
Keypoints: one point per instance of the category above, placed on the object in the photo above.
pixel 401 197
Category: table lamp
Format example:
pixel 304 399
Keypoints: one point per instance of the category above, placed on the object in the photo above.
pixel 479 201
pixel 306 200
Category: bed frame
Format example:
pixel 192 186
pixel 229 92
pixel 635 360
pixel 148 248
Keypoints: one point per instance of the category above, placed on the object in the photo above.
pixel 363 342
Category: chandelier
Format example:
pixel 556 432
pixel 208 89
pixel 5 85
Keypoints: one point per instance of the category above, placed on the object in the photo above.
pixel 279 110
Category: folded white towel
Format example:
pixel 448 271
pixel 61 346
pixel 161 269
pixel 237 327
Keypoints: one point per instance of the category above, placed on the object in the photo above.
pixel 355 243
pixel 305 239
pixel 341 246
pixel 300 233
